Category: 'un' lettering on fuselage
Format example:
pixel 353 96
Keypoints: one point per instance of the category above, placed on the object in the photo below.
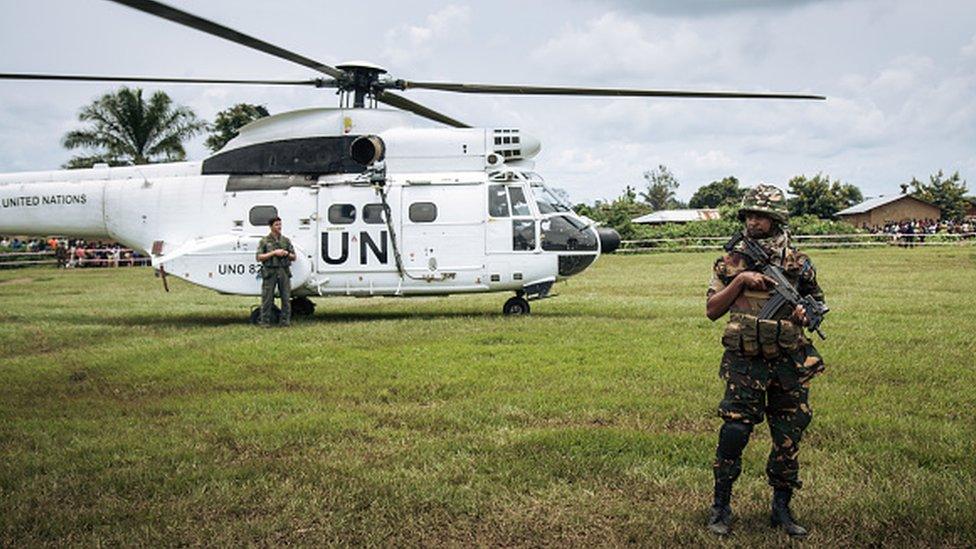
pixel 367 246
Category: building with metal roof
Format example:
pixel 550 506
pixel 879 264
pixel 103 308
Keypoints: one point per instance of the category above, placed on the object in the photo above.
pixel 876 212
pixel 677 216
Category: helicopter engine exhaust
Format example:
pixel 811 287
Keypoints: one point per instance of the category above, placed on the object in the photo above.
pixel 367 149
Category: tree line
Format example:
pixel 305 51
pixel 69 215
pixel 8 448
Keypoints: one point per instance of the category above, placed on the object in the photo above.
pixel 813 201
pixel 124 128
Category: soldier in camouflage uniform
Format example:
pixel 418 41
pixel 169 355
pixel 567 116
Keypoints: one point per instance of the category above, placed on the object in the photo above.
pixel 767 365
pixel 275 253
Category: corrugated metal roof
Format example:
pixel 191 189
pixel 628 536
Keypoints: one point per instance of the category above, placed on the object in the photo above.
pixel 677 216
pixel 873 203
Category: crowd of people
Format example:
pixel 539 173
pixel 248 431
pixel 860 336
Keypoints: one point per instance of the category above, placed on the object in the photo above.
pixel 922 227
pixel 75 252
pixel 908 232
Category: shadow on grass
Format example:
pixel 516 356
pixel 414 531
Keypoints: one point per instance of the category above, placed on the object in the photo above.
pixel 322 316
pixel 216 319
pixel 353 317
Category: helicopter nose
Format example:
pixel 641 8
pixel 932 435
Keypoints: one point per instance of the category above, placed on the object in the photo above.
pixel 609 240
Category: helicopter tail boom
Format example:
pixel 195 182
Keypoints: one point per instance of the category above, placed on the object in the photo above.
pixel 48 208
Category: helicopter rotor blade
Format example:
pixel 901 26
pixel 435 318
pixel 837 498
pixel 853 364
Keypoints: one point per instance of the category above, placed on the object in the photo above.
pixel 316 82
pixel 179 16
pixel 618 92
pixel 401 102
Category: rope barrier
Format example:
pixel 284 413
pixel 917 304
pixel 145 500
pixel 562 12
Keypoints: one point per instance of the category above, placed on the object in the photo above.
pixel 853 240
pixel 15 259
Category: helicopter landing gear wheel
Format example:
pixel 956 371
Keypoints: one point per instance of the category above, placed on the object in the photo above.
pixel 516 306
pixel 302 306
pixel 256 315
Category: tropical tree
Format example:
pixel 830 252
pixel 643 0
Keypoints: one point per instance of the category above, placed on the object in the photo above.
pixel 718 193
pixel 617 213
pixel 123 128
pixel 948 193
pixel 228 121
pixel 661 187
pixel 821 197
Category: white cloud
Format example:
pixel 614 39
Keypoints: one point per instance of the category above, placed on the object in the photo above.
pixel 408 42
pixel 578 161
pixel 614 46
pixel 710 160
pixel 969 50
pixel 711 8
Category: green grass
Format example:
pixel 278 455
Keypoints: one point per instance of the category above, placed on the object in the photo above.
pixel 132 416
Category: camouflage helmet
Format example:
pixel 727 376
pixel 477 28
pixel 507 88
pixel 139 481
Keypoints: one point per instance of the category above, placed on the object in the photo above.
pixel 767 200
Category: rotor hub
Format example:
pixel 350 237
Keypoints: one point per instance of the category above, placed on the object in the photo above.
pixel 362 79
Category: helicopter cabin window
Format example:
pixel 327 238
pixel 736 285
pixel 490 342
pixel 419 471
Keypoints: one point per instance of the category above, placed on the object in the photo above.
pixel 497 201
pixel 423 212
pixel 260 215
pixel 520 206
pixel 523 235
pixel 342 214
pixel 373 214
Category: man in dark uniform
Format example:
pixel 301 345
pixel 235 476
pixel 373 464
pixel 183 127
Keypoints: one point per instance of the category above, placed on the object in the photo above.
pixel 768 364
pixel 275 253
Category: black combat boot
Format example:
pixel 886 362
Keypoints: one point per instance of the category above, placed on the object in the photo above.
pixel 781 515
pixel 720 517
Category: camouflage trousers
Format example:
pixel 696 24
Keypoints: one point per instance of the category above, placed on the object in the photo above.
pixel 279 278
pixel 777 388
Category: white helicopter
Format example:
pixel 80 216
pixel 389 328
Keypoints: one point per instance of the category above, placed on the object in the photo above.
pixel 374 203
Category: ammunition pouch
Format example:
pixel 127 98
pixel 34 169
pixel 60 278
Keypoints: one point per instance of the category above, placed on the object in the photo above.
pixel 769 338
pixel 749 336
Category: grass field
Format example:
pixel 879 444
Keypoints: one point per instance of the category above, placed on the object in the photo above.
pixel 132 416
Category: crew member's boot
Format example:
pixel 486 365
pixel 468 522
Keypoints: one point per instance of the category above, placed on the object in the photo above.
pixel 720 517
pixel 782 516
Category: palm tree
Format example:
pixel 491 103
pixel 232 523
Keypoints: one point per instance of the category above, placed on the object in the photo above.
pixel 228 123
pixel 124 129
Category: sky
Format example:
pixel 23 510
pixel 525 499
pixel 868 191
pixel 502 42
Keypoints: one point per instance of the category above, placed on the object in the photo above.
pixel 900 77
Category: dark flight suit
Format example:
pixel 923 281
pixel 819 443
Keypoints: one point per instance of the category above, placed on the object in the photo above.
pixel 275 272
pixel 767 367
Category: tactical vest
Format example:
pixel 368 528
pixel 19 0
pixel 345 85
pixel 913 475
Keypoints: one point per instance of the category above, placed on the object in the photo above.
pixel 745 333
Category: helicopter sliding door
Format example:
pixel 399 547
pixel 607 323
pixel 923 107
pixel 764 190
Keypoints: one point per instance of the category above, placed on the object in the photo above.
pixel 353 234
pixel 442 227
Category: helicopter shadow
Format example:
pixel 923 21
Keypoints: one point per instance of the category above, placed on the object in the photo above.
pixel 370 316
pixel 216 320
pixel 325 318
pixel 352 317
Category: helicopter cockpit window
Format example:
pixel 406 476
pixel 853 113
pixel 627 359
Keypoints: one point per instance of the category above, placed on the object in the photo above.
pixel 260 215
pixel 342 214
pixel 423 212
pixel 373 214
pixel 564 233
pixel 520 206
pixel 523 235
pixel 497 201
pixel 547 201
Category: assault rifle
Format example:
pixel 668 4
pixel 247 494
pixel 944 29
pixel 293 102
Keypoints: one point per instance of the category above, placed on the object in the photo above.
pixel 785 292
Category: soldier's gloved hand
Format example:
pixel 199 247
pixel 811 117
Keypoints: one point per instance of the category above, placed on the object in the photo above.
pixel 800 315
